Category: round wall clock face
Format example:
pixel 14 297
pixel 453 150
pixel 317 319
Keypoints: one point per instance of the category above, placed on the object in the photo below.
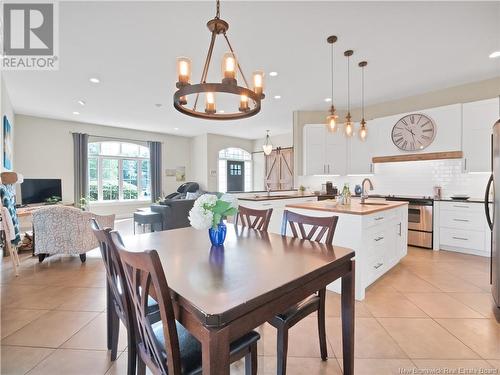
pixel 413 132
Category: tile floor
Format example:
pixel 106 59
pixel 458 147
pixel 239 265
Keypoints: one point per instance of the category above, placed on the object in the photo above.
pixel 433 310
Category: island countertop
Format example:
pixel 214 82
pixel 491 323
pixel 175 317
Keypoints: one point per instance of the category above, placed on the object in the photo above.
pixel 355 208
pixel 264 197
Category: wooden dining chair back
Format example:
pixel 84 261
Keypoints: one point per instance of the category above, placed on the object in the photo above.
pixel 252 218
pixel 144 278
pixel 320 227
pixel 113 266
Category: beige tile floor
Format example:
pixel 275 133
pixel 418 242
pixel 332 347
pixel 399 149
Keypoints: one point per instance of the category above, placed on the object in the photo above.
pixel 433 310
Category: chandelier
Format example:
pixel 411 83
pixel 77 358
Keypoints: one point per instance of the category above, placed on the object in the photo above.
pixel 187 96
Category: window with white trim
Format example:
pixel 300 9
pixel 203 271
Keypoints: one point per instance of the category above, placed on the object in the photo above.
pixel 118 171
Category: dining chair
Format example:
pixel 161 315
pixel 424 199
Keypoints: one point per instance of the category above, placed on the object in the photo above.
pixel 253 218
pixel 117 302
pixel 313 229
pixel 166 347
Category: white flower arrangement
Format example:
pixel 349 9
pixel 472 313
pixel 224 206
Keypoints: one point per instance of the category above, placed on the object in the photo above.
pixel 210 209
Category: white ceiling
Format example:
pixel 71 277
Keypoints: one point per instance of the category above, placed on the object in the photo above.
pixel 411 48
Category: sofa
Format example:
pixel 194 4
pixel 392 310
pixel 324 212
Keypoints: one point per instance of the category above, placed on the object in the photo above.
pixel 174 213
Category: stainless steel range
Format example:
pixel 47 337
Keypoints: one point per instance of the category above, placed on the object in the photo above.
pixel 420 221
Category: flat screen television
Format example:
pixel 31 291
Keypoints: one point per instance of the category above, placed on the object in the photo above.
pixel 40 190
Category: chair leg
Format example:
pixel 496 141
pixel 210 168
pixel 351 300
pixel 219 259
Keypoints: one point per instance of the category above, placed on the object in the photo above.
pixel 141 366
pixel 282 350
pixel 321 325
pixel 83 257
pixel 132 351
pixel 115 331
pixel 109 311
pixel 251 360
pixel 41 257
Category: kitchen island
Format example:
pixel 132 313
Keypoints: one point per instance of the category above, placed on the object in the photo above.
pixel 376 231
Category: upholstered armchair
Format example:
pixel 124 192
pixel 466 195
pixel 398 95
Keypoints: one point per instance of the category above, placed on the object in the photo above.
pixel 66 230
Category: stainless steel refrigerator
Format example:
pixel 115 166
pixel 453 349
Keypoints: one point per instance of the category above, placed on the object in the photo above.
pixel 492 209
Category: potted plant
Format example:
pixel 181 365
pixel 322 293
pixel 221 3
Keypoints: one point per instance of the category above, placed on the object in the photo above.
pixel 209 211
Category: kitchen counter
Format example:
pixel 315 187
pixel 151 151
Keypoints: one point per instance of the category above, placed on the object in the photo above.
pixel 355 208
pixel 265 197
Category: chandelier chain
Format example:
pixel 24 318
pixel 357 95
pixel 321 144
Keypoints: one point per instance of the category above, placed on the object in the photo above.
pixel 217 13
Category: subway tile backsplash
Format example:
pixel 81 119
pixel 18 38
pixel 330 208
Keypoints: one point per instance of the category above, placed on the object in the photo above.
pixel 412 178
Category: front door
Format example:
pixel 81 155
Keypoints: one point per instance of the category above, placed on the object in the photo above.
pixel 235 175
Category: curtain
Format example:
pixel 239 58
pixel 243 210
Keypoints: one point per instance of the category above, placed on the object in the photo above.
pixel 155 165
pixel 80 161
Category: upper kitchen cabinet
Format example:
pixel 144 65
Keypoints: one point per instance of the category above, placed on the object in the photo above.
pixel 478 120
pixel 325 153
pixel 361 152
pixel 448 135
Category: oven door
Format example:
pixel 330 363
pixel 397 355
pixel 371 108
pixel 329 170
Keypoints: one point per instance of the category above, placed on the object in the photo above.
pixel 420 218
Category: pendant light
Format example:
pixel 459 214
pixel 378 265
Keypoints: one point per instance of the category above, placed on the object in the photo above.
pixel 363 131
pixel 331 119
pixel 249 97
pixel 267 147
pixel 348 126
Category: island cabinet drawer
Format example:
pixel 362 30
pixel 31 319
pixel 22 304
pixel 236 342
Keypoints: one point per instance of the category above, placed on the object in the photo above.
pixel 468 239
pixel 378 218
pixel 461 207
pixel 375 268
pixel 376 242
pixel 462 220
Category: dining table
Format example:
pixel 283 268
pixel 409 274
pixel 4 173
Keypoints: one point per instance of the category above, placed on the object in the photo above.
pixel 221 293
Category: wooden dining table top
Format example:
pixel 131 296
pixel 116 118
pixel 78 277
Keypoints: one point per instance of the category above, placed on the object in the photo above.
pixel 222 283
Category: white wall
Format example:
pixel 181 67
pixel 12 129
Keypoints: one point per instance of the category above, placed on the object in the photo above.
pixel 412 178
pixel 199 163
pixel 7 110
pixel 44 149
pixel 279 140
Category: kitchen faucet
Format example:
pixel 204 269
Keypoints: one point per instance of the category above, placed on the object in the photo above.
pixel 363 195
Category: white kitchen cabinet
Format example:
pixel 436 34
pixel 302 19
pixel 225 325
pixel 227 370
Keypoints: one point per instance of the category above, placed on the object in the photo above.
pixel 463 227
pixel 361 152
pixel 325 153
pixel 478 120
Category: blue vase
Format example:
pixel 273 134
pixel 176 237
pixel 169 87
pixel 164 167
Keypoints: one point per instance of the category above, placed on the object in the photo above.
pixel 218 235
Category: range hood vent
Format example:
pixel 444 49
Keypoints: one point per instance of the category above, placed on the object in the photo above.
pixel 419 157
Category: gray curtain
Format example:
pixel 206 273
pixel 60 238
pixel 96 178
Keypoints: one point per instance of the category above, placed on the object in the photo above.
pixel 80 156
pixel 155 164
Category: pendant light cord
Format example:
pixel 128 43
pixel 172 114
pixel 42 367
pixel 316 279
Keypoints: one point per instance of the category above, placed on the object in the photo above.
pixel 348 84
pixel 333 64
pixel 363 92
pixel 217 13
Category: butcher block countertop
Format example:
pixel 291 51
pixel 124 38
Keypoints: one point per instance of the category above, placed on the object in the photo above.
pixel 355 208
pixel 263 197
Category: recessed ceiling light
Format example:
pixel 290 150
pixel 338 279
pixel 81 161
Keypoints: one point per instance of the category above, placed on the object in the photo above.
pixel 277 96
pixel 81 102
pixel 273 74
pixel 94 80
pixel 176 128
pixel 494 54
pixel 76 112
pixel 328 100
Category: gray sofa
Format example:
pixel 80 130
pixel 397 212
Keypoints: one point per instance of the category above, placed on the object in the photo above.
pixel 174 213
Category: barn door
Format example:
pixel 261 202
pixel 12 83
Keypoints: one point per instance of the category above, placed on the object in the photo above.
pixel 279 169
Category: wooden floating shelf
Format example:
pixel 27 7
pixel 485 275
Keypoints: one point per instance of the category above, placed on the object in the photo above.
pixel 419 157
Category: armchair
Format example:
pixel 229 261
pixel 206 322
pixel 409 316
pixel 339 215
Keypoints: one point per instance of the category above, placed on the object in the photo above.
pixel 66 230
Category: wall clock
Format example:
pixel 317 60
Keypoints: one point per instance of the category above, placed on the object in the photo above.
pixel 413 132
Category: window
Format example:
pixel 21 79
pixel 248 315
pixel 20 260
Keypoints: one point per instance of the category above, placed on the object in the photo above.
pixel 118 171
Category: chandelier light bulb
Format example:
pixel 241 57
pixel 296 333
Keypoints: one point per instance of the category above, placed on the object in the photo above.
pixel 229 66
pixel 332 123
pixel 244 103
pixel 210 102
pixel 258 82
pixel 363 132
pixel 184 70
